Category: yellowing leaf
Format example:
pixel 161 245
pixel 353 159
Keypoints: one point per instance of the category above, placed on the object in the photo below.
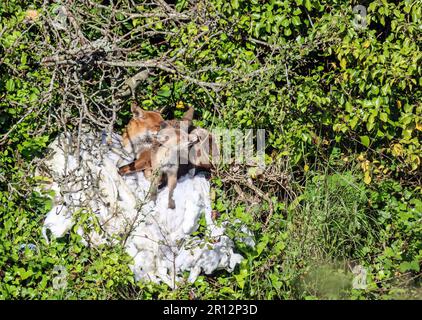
pixel 252 172
pixel 367 179
pixel 343 63
pixel 365 166
pixel 361 157
pixel 419 126
pixel 180 105
pixel 213 194
pixel 306 168
pixel 413 159
pixel 397 150
pixel 204 28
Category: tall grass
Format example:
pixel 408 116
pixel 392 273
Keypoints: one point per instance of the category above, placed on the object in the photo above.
pixel 329 230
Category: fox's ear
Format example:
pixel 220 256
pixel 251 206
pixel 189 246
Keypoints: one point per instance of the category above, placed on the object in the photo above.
pixel 163 125
pixel 188 115
pixel 136 111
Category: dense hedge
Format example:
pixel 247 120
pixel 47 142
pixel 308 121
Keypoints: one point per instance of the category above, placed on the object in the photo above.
pixel 340 100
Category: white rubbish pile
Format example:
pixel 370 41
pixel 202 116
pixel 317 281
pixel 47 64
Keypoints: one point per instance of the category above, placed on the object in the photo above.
pixel 160 240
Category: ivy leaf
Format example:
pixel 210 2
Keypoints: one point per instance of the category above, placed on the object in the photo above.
pixel 287 32
pixel 10 85
pixel 308 5
pixel 371 122
pixel 384 117
pixel 365 141
pixel 240 278
pixel 296 21
pixel 235 4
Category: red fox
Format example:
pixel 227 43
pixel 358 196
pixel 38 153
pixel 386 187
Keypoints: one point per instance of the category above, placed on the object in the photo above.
pixel 167 157
pixel 159 145
pixel 138 134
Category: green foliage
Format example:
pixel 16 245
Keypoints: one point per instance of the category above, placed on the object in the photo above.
pixel 333 220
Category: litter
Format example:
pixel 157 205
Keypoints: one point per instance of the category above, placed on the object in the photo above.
pixel 160 240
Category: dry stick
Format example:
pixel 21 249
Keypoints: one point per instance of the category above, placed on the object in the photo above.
pixel 173 249
pixel 81 117
pixel 309 18
pixel 75 25
pixel 259 192
pixel 264 196
pixel 162 65
pixel 240 192
pixel 132 83
pixel 6 135
pixel 164 4
pixel 156 13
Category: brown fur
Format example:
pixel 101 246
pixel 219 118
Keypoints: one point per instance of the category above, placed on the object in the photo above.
pixel 157 144
pixel 142 163
pixel 140 127
pixel 165 157
pixel 136 135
